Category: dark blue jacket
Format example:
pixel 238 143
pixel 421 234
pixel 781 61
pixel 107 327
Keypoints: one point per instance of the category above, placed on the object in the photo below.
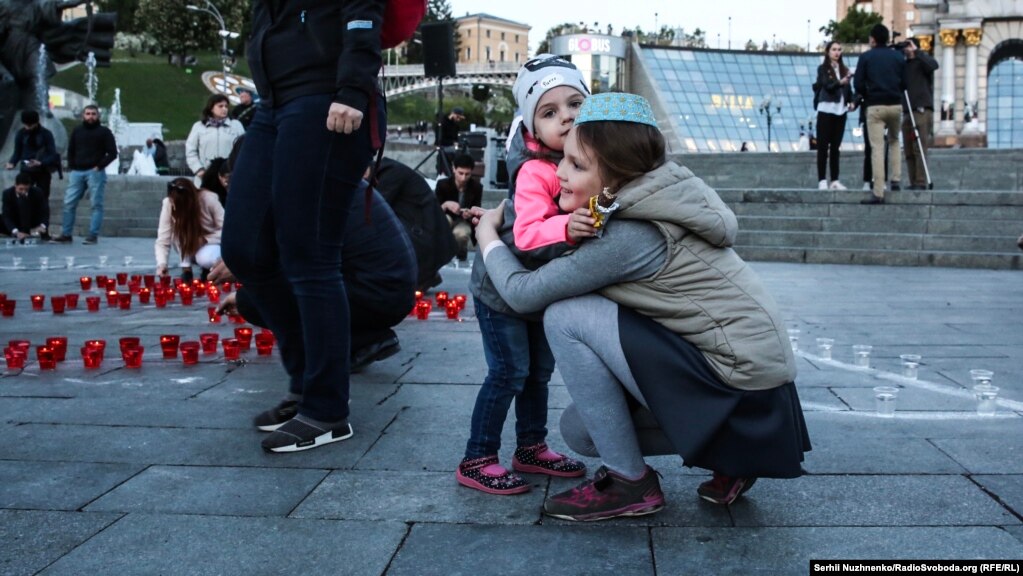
pixel 35 144
pixel 881 76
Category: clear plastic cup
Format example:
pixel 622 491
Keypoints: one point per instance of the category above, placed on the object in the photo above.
pixel 44 262
pixel 987 399
pixel 794 338
pixel 910 363
pixel 824 346
pixel 885 398
pixel 103 259
pixel 861 353
pixel 128 260
pixel 980 376
pixel 16 261
pixel 69 261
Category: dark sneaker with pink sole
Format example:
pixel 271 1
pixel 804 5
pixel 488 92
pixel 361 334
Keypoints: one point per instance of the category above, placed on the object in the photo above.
pixel 723 489
pixel 487 475
pixel 539 459
pixel 608 495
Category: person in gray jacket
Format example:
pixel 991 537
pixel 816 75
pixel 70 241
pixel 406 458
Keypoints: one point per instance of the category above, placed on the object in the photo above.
pixel 657 315
pixel 211 137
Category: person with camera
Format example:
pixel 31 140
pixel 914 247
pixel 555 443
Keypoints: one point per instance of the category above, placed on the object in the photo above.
pixel 881 79
pixel 36 155
pixel 919 111
pixel 456 195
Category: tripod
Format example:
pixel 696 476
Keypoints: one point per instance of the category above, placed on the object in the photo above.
pixel 443 164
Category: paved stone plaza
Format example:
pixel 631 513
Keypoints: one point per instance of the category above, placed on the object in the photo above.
pixel 158 471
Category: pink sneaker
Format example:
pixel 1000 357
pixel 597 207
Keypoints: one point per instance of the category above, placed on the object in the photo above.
pixel 539 459
pixel 487 475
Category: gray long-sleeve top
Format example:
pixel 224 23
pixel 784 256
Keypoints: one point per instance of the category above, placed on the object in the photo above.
pixel 628 250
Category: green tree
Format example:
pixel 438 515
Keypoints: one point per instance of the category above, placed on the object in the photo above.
pixel 179 31
pixel 125 9
pixel 559 30
pixel 854 28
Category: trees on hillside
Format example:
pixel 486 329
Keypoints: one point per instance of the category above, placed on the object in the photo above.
pixel 854 28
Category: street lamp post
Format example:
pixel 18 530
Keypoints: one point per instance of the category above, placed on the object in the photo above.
pixel 224 33
pixel 765 108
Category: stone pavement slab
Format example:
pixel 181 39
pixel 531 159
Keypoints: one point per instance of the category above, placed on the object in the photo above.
pixel 58 485
pixel 208 545
pixel 1008 489
pixel 32 540
pixel 211 491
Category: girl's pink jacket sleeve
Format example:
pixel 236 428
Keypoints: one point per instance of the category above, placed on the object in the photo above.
pixel 538 222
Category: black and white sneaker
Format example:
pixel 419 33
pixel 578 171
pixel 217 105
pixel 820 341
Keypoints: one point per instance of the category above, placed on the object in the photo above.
pixel 296 435
pixel 275 417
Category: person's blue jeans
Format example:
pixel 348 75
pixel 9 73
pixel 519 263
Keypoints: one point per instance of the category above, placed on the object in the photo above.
pixel 520 364
pixel 78 181
pixel 284 224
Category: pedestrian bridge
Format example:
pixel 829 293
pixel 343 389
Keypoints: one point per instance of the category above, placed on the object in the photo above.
pixel 408 78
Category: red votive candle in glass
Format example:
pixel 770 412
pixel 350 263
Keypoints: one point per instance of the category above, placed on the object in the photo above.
pixel 47 358
pixel 211 311
pixel 149 280
pixel 7 307
pixel 225 287
pixel 72 301
pixel 100 345
pixel 111 284
pixel 423 309
pixel 165 281
pixel 232 349
pixel 86 283
pixel 122 278
pixel 59 345
pixel 134 286
pixel 460 298
pixel 15 358
pixel 92 303
pixel 236 318
pixel 22 345
pixel 199 290
pixel 57 303
pixel 144 294
pixel 101 281
pixel 136 278
pixel 452 310
pixel 208 341
pixel 160 298
pixel 112 299
pixel 190 352
pixel 129 342
pixel 186 295
pixel 178 282
pixel 244 337
pixel 213 294
pixel 442 298
pixel 38 302
pixel 264 344
pixel 92 357
pixel 169 345
pixel 124 300
pixel 132 357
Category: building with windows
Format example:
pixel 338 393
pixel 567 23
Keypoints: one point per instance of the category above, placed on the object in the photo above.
pixel 897 15
pixel 485 39
pixel 601 58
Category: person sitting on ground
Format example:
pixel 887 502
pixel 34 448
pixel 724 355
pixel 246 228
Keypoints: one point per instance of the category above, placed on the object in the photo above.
pixel 679 324
pixel 191 220
pixel 415 205
pixel 24 209
pixel 456 196
pixel 379 269
pixel 36 155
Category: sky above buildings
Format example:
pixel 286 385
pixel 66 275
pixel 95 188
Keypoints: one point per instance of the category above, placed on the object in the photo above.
pixel 750 19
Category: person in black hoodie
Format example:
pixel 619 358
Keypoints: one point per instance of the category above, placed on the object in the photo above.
pixel 36 155
pixel 89 150
pixel 319 118
pixel 920 67
pixel 881 78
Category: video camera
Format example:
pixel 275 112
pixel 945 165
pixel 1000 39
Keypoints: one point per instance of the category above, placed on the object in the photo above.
pixel 901 45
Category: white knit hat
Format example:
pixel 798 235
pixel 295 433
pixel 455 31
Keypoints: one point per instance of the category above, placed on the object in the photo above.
pixel 540 74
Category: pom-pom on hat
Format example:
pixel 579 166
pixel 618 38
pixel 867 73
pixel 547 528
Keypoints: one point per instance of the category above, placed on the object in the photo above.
pixel 540 74
pixel 616 107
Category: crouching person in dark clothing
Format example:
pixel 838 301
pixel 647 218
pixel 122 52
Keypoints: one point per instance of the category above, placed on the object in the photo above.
pixel 379 269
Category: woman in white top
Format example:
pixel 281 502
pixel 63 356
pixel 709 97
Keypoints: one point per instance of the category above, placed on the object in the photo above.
pixel 191 220
pixel 833 99
pixel 212 136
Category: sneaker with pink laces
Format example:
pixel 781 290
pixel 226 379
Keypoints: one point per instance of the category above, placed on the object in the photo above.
pixel 539 459
pixel 487 475
pixel 608 495
pixel 723 489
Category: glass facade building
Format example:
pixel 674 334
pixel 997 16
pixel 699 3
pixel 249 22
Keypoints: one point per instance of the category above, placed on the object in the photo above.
pixel 714 98
pixel 1005 105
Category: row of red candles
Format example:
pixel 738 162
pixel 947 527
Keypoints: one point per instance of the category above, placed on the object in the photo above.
pixel 55 349
pixel 452 305
pixel 160 294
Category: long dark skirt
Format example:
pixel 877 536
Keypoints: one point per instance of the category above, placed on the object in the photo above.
pixel 714 426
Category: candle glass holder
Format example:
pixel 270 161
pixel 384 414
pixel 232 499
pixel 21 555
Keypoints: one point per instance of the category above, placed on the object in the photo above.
pixel 232 349
pixel 44 262
pixel 423 309
pixel 124 300
pixel 861 355
pixel 442 299
pixel 190 352
pixel 92 358
pixel 211 311
pixel 452 310
pixel 92 303
pixel 86 283
pixel 112 299
pixel 149 280
pixel 885 398
pixel 244 337
pixel 69 261
pixel 264 344
pixel 132 356
pixel 824 346
pixel 209 341
pixel 15 358
pixel 169 345
pixel 38 302
pixel 46 357
pixel 122 278
pixel 128 342
pixel 144 295
pixel 987 399
pixel 7 308
pixel 186 296
pixel 59 345
pixel 103 258
pixel 71 300
pixel 57 304
pixel 910 365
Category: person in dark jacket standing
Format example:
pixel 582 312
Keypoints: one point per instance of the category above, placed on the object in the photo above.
pixel 315 66
pixel 89 150
pixel 920 67
pixel 881 78
pixel 35 154
pixel 834 99
pixel 245 109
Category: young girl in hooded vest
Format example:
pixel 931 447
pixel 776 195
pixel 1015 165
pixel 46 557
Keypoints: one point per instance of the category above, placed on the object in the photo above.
pixel 667 340
pixel 548 91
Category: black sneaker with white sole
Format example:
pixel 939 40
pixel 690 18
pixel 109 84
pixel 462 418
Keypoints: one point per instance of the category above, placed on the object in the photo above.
pixel 275 417
pixel 296 435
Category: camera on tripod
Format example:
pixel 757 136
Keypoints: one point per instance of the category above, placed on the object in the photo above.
pixel 901 45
